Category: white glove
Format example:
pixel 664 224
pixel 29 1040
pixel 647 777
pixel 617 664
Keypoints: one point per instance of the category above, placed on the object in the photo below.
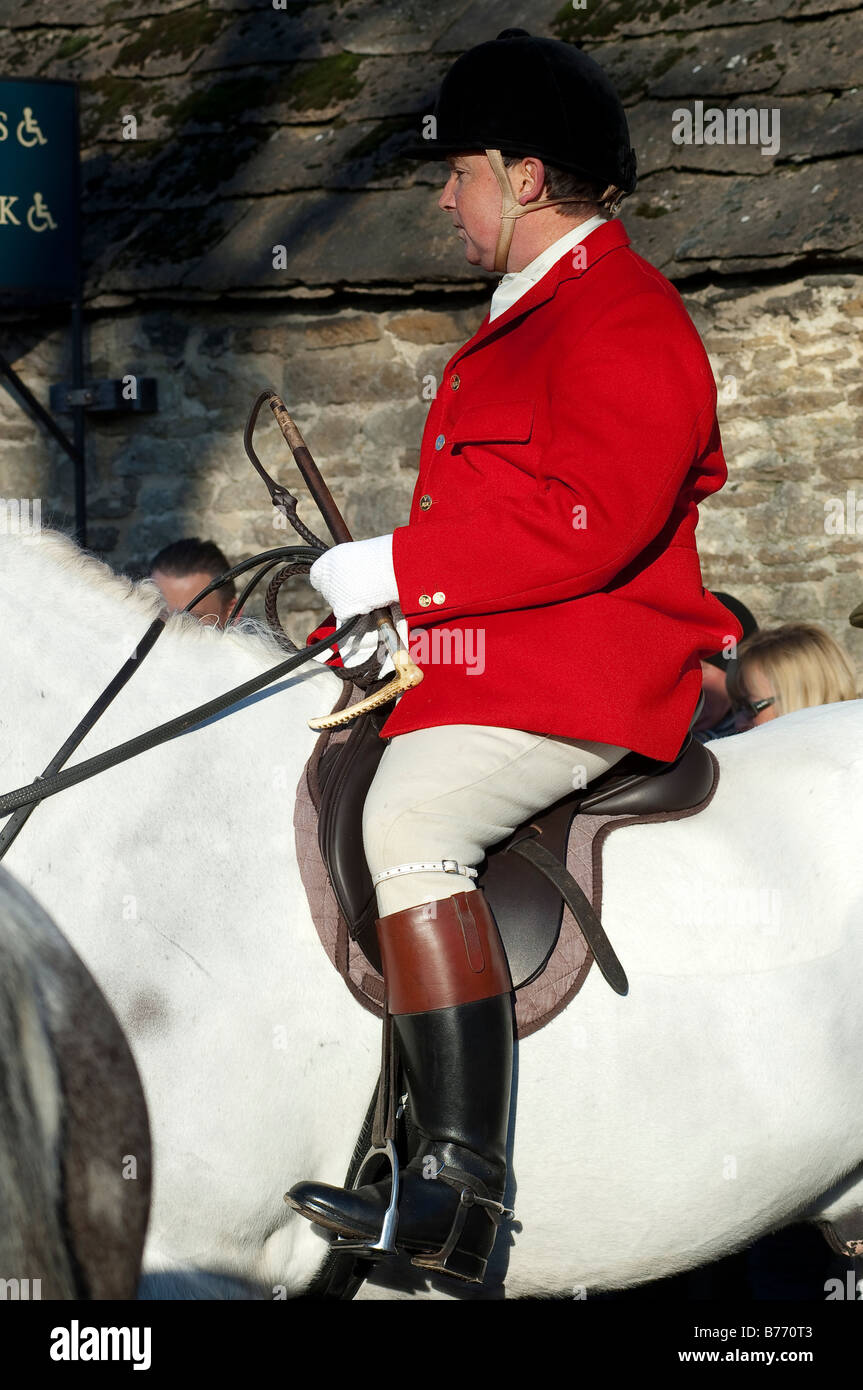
pixel 366 641
pixel 356 577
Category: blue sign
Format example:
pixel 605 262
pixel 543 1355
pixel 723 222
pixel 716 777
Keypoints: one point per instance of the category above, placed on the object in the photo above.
pixel 40 220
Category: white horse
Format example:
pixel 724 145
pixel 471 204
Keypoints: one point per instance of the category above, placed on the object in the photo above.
pixel 722 1098
pixel 74 1138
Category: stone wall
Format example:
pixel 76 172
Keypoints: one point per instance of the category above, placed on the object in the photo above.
pixel 356 374
pixel 213 131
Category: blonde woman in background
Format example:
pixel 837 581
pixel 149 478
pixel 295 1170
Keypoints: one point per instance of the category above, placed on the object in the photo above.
pixel 785 668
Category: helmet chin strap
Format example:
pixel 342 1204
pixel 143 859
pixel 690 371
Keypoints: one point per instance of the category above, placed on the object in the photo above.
pixel 512 208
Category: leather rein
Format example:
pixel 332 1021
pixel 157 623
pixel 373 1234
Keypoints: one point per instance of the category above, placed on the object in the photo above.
pixel 296 559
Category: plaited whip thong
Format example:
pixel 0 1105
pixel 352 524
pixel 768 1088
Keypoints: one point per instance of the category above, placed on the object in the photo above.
pixel 408 673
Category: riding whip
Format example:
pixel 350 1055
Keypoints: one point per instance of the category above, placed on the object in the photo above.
pixel 408 674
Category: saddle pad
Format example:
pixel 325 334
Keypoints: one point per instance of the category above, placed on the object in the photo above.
pixel 537 1002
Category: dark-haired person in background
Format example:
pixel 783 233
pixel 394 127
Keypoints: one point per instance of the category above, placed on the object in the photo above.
pixel 181 570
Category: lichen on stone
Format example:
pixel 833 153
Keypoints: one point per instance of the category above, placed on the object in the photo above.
pixel 114 95
pixel 572 24
pixel 667 61
pixel 224 100
pixel 73 44
pixel 317 85
pixel 181 33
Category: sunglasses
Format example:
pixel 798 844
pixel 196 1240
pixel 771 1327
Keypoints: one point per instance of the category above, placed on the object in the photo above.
pixel 754 707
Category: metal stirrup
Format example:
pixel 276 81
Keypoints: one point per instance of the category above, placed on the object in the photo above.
pixel 386 1241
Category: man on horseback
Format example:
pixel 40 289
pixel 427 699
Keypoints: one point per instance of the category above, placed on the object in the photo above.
pixel 561 467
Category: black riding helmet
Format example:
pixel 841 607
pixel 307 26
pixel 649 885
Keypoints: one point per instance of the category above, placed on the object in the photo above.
pixel 522 95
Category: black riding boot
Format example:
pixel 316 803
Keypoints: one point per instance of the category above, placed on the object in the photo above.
pixel 446 963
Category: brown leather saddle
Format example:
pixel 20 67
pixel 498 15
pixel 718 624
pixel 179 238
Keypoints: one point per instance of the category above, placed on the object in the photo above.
pixel 523 876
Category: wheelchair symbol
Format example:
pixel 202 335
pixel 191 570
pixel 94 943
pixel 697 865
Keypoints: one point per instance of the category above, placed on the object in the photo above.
pixel 38 211
pixel 29 126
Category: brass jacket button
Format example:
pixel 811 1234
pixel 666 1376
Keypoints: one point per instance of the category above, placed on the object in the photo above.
pixel 455 381
pixel 440 441
pixel 425 502
pixel 425 600
pixel 439 596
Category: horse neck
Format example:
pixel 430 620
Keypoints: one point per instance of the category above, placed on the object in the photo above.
pixel 57 601
pixel 74 621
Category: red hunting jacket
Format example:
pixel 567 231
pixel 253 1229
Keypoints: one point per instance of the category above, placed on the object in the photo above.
pixel 549 572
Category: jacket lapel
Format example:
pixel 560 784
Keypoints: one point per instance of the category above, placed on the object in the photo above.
pixel 598 244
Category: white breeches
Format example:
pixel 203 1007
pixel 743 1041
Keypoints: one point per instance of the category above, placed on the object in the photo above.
pixel 453 791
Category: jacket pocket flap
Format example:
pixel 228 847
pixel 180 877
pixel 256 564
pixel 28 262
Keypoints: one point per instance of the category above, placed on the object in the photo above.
pixel 506 421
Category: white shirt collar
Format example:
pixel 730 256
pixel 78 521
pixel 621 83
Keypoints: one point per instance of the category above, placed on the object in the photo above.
pixel 516 283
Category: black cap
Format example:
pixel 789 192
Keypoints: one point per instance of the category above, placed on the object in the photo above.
pixel 532 96
pixel 746 621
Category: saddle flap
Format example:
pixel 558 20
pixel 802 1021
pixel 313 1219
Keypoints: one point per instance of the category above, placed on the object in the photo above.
pixel 527 907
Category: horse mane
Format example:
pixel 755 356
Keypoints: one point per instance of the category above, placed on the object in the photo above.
pixel 64 554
